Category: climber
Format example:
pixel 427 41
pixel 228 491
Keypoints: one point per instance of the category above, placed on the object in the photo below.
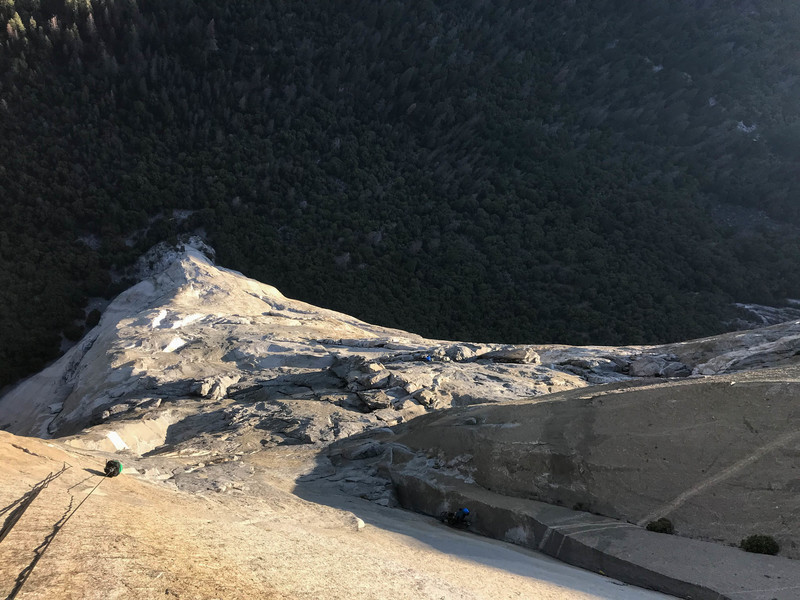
pixel 113 468
pixel 457 518
pixel 461 516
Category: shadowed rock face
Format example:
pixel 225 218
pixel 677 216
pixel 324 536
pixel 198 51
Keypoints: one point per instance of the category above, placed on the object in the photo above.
pixel 717 456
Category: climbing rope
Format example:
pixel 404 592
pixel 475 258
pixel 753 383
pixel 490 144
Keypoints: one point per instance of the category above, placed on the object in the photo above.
pixel 112 469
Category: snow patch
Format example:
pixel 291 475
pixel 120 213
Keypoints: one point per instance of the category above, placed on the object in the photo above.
pixel 174 344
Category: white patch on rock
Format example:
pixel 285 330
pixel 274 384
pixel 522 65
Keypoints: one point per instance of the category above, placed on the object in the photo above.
pixel 174 344
pixel 186 320
pixel 157 321
pixel 118 442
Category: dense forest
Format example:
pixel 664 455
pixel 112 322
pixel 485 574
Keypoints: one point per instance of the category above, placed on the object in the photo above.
pixel 500 170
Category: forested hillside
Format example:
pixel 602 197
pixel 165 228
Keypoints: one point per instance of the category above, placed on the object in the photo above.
pixel 498 170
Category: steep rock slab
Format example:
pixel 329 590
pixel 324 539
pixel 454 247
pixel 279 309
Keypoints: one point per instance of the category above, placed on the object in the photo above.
pixel 225 530
pixel 678 566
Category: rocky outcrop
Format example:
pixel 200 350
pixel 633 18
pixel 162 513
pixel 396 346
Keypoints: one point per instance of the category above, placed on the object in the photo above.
pixel 525 355
pixel 658 365
pixel 192 330
pixel 767 347
pixel 213 388
pixel 758 315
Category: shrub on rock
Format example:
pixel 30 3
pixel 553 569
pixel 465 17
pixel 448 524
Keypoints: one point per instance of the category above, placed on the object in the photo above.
pixel 760 544
pixel 661 525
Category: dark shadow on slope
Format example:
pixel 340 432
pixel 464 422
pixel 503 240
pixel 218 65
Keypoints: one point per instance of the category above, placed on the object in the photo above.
pixel 322 486
pixel 649 436
pixel 39 552
pixel 19 506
